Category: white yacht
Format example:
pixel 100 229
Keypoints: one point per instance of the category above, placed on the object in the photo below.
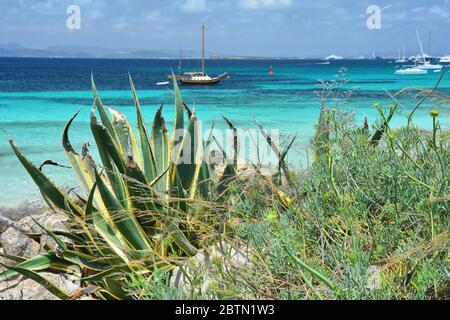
pixel 333 57
pixel 445 59
pixel 423 63
pixel 411 71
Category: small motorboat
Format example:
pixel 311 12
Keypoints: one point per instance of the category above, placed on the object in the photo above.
pixel 162 83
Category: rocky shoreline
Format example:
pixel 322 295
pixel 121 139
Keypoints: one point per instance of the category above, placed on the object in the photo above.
pixel 15 224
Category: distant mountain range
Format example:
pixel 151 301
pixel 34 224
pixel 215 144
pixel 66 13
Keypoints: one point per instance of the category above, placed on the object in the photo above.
pixel 17 50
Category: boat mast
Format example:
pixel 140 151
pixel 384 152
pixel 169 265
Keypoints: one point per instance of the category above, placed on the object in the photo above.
pixel 203 50
pixel 421 46
pixel 179 62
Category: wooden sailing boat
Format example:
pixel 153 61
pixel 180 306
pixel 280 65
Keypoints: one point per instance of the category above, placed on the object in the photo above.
pixel 200 78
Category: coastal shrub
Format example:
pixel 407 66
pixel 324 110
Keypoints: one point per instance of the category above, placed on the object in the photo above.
pixel 369 220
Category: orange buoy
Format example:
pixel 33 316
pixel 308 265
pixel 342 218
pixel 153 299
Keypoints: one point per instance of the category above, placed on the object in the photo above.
pixel 271 71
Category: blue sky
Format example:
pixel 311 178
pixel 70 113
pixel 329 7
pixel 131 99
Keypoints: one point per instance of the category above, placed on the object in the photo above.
pixel 245 27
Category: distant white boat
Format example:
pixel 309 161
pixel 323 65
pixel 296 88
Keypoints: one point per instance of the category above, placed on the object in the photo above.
pixel 445 59
pixel 333 57
pixel 162 83
pixel 326 62
pixel 411 71
pixel 426 65
pixel 402 59
pixel 423 63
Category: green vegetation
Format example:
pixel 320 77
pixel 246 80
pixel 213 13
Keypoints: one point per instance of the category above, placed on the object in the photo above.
pixel 368 219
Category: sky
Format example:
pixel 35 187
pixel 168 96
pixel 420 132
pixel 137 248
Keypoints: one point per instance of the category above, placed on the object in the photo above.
pixel 301 28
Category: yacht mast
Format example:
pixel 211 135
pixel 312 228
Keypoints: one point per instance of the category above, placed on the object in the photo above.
pixel 421 46
pixel 203 50
pixel 180 59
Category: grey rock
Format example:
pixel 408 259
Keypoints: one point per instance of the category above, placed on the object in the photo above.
pixel 20 288
pixel 26 209
pixel 16 243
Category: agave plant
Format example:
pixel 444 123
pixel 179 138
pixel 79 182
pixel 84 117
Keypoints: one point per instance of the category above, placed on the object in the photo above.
pixel 130 215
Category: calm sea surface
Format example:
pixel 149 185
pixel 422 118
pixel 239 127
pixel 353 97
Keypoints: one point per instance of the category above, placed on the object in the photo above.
pixel 38 96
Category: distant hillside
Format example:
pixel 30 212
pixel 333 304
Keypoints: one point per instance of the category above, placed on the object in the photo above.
pixel 16 50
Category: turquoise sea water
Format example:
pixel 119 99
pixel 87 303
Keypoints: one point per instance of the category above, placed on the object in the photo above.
pixel 38 96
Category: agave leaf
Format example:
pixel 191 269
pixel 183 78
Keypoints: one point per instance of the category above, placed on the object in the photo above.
pixel 161 146
pixel 37 263
pixel 103 113
pixel 127 139
pixel 111 156
pixel 84 260
pixel 111 235
pixel 114 288
pixel 178 128
pixel 89 208
pixel 58 292
pixel 189 161
pixel 148 158
pixel 123 194
pixel 179 238
pixel 77 238
pixel 57 239
pixel 205 182
pixel 179 115
pixel 13 258
pixel 47 188
pixel 235 141
pixel 109 151
pixel 78 165
pixel 89 211
pixel 141 194
pixel 101 275
pixel 123 218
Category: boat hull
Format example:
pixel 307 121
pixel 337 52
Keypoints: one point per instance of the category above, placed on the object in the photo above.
pixel 411 71
pixel 212 80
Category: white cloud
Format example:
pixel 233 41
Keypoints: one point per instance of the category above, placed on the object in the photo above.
pixel 193 6
pixel 264 4
pixel 439 12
